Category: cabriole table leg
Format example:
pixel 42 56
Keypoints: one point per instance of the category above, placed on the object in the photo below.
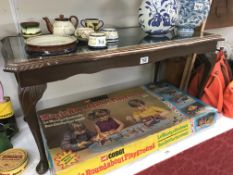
pixel 29 96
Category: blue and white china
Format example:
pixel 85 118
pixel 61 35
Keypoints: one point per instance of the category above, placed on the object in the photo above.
pixel 111 34
pixel 158 17
pixel 97 40
pixel 191 14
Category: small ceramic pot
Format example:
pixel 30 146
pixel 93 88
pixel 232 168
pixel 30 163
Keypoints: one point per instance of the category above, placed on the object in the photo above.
pixel 30 29
pixel 185 32
pixel 93 23
pixel 97 40
pixel 82 33
pixel 111 34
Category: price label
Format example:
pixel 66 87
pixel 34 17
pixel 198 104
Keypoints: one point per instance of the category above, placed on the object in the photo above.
pixel 144 60
pixel 198 6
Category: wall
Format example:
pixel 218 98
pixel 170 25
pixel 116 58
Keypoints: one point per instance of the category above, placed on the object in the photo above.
pixel 114 13
pixel 228 43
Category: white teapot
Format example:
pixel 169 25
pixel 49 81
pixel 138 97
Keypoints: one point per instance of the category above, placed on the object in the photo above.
pixel 62 26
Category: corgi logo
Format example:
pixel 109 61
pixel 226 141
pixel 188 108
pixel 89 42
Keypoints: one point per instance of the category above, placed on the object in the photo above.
pixel 116 153
pixel 112 155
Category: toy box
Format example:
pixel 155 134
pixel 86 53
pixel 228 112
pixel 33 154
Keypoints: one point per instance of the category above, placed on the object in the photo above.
pixel 99 134
pixel 200 114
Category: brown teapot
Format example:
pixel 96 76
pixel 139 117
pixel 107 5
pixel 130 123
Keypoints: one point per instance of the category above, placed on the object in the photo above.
pixel 62 26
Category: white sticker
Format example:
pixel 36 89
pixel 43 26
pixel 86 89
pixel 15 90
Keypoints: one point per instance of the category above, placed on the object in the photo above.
pixel 144 60
pixel 198 6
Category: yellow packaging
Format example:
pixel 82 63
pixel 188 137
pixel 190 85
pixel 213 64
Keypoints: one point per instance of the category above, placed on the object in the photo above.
pixel 6 109
pixel 13 161
pixel 174 134
pixel 107 161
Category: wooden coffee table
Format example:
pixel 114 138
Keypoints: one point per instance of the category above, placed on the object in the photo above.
pixel 134 48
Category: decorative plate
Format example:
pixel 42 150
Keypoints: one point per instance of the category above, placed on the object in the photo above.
pixel 51 45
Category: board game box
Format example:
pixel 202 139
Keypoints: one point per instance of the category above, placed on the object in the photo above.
pixel 200 114
pixel 96 135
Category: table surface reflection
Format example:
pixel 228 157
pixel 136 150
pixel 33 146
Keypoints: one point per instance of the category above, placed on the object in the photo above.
pixel 130 39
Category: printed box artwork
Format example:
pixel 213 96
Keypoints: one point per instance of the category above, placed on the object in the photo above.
pixel 96 135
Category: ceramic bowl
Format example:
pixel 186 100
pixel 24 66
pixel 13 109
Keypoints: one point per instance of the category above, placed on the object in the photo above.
pixel 30 28
pixel 82 33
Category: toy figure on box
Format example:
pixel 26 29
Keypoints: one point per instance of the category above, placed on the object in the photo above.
pixel 77 138
pixel 180 100
pixel 205 121
pixel 105 125
pixel 193 109
pixel 148 115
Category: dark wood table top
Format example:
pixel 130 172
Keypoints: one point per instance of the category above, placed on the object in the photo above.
pixel 133 44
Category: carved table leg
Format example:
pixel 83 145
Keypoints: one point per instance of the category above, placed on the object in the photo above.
pixel 29 96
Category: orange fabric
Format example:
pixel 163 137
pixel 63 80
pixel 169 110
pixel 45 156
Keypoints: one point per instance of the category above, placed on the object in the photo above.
pixel 213 92
pixel 196 80
pixel 228 101
pixel 218 91
pixel 219 78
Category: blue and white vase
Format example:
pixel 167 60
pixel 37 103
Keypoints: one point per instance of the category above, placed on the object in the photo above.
pixel 158 17
pixel 191 14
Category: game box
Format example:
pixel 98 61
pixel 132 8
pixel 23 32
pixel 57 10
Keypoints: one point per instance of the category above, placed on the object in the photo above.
pixel 96 135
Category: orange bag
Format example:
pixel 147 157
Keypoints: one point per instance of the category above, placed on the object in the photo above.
pixel 228 100
pixel 219 78
pixel 200 75
pixel 194 85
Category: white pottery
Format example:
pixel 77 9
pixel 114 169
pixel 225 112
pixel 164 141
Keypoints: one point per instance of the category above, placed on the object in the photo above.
pixel 158 17
pixel 46 45
pixel 50 40
pixel 30 29
pixel 111 34
pixel 97 40
pixel 82 33
pixel 94 23
pixel 62 26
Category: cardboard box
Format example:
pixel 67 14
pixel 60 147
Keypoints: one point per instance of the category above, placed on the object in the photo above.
pixel 96 135
pixel 200 114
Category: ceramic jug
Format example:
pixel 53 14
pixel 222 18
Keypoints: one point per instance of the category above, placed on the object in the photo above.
pixel 158 17
pixel 62 26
